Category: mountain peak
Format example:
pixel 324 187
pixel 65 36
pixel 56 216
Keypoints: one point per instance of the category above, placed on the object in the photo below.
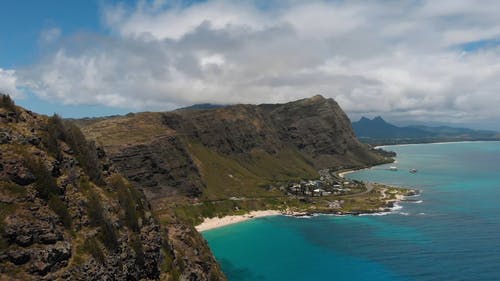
pixel 317 98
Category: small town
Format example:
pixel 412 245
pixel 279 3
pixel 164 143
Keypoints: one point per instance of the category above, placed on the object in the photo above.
pixel 328 184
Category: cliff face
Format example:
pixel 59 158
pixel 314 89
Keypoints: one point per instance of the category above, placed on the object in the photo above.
pixel 171 155
pixel 208 155
pixel 65 212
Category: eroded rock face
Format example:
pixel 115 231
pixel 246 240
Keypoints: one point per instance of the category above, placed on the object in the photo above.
pixel 160 162
pixel 36 225
pixel 190 252
pixel 44 209
pixel 160 168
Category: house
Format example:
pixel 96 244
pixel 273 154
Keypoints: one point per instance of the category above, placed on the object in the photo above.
pixel 318 192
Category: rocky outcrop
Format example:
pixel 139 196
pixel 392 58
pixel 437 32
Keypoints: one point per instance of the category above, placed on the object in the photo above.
pixel 65 213
pixel 161 168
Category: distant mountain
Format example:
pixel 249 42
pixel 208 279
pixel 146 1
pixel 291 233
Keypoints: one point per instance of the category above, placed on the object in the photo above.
pixel 377 130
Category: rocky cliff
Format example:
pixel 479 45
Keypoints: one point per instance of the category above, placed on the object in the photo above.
pixel 66 213
pixel 177 153
pixel 193 157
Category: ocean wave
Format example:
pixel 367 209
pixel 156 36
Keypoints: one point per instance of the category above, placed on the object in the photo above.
pixel 376 214
pixel 396 207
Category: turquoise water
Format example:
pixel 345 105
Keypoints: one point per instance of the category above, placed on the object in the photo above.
pixel 453 234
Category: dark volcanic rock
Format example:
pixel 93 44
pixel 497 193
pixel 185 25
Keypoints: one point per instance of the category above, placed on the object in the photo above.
pixel 19 257
pixel 161 168
pixel 45 222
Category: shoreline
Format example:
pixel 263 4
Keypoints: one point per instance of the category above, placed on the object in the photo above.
pixel 445 142
pixel 216 222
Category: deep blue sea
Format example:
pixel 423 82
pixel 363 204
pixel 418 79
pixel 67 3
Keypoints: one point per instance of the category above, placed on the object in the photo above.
pixel 453 234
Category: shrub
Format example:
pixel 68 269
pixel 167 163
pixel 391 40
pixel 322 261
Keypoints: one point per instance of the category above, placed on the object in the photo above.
pixel 54 133
pixel 94 209
pixel 92 247
pixel 130 201
pixel 7 103
pixel 58 206
pixel 136 245
pixel 45 184
pixel 107 232
pixel 85 152
pixel 108 235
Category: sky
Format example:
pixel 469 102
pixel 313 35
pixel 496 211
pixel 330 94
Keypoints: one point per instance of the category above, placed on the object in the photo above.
pixel 410 61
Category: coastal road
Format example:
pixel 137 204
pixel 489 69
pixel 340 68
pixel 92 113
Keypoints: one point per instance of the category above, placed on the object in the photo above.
pixel 369 188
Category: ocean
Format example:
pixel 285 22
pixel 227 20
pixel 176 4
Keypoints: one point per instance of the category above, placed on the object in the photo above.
pixel 451 233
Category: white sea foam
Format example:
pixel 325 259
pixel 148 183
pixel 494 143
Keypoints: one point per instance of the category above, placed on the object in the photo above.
pixel 396 207
pixel 376 214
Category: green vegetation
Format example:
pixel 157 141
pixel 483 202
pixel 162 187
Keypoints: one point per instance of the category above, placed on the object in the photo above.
pixel 7 103
pixel 227 176
pixel 136 245
pixel 59 207
pixel 12 188
pixel 107 232
pixel 194 214
pixel 55 131
pixel 130 201
pixel 45 183
pixel 85 152
pixel 58 130
pixel 168 268
pixel 93 247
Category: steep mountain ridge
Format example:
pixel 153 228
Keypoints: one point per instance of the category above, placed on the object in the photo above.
pixel 292 140
pixel 67 214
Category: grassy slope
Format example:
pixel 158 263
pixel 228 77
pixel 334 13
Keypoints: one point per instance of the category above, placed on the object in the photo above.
pixel 245 176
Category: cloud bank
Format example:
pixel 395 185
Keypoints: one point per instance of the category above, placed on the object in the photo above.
pixel 407 59
pixel 9 83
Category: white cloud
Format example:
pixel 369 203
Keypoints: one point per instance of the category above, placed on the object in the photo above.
pixel 8 83
pixel 397 58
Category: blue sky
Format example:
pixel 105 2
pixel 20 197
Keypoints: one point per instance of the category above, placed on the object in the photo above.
pixel 21 25
pixel 418 61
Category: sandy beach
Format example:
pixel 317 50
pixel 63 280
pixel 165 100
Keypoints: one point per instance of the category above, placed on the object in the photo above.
pixel 211 223
pixel 342 174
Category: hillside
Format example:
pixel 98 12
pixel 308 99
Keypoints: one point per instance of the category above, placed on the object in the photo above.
pixel 66 213
pixel 230 151
pixel 378 131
